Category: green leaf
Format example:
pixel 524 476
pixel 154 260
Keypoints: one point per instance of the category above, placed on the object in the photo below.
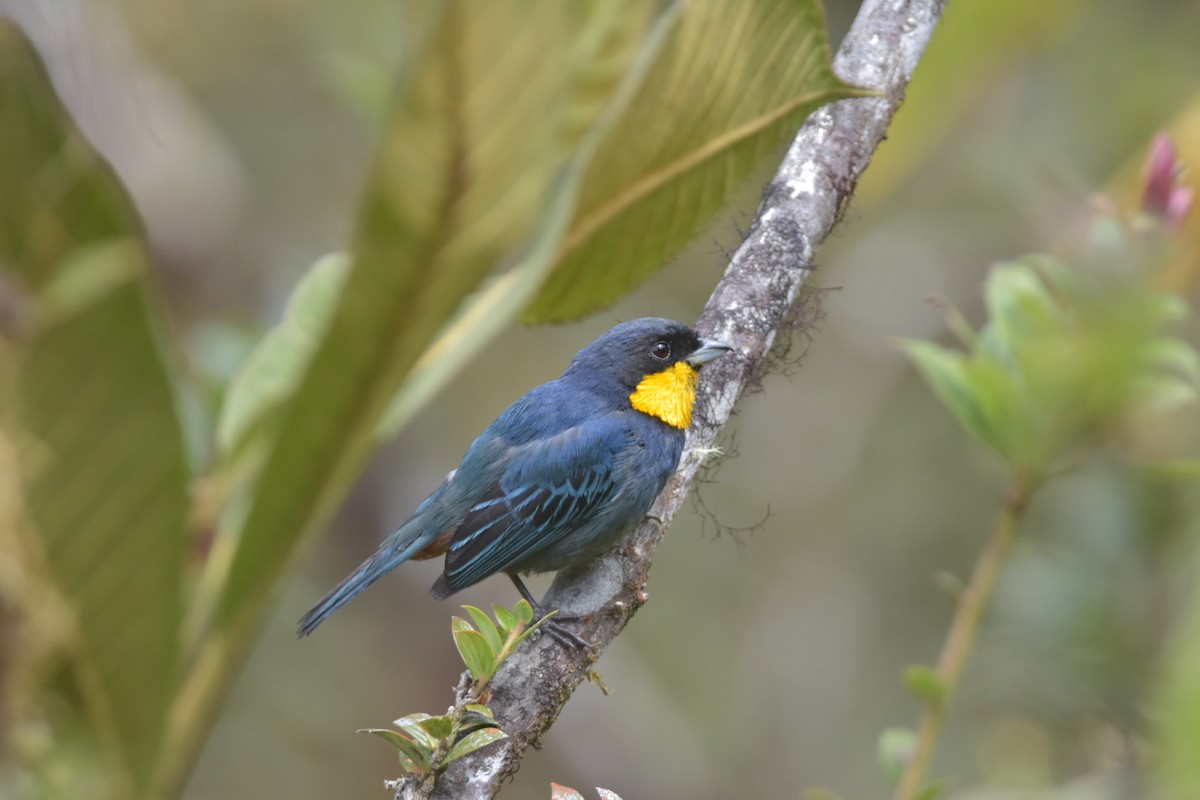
pixel 738 78
pixel 1162 393
pixel 59 193
pixel 82 280
pixel 896 747
pixel 979 392
pixel 473 741
pixel 478 712
pixel 89 403
pixel 524 611
pixel 474 649
pixel 507 619
pixel 412 725
pixel 999 408
pixel 1175 356
pixel 947 374
pixel 107 492
pixel 924 682
pixel 1019 307
pixel 410 751
pixel 438 727
pixel 488 628
pixel 275 366
pixel 1065 353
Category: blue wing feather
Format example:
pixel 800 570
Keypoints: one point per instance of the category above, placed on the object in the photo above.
pixel 547 488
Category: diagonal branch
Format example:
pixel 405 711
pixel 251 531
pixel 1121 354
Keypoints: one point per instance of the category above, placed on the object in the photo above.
pixel 750 305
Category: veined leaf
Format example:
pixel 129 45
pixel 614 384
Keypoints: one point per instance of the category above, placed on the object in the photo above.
pixel 93 416
pixel 276 364
pixel 473 647
pixel 506 619
pixel 1019 308
pixel 412 725
pixel 412 756
pixel 59 193
pixel 438 727
pixel 947 373
pixel 524 611
pixel 473 741
pixel 486 627
pixel 1175 357
pixel 733 83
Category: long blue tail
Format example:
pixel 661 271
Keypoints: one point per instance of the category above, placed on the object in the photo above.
pixel 371 570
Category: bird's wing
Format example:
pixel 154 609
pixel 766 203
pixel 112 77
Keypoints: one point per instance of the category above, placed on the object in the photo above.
pixel 547 487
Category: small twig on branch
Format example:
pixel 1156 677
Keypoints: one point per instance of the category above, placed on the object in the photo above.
pixel 749 306
pixel 971 604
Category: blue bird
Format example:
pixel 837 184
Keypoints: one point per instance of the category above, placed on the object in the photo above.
pixel 561 475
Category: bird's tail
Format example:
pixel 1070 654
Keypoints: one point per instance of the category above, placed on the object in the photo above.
pixel 371 570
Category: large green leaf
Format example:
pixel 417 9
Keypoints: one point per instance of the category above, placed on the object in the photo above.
pixel 57 191
pixel 94 416
pixel 733 82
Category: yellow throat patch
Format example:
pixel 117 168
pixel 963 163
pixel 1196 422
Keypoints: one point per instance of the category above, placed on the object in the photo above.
pixel 668 395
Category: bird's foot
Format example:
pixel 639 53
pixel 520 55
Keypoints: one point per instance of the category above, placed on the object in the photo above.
pixel 551 620
pixel 552 623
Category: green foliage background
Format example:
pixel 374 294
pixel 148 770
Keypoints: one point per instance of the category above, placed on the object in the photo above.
pixel 765 661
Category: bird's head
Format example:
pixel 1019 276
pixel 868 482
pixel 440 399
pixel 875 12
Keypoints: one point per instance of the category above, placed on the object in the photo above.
pixel 655 361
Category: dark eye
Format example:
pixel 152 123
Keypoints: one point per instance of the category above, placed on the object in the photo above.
pixel 661 351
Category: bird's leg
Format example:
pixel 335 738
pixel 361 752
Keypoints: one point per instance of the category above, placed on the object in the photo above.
pixel 551 625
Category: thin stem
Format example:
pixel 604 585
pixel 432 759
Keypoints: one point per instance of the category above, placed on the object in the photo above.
pixel 961 638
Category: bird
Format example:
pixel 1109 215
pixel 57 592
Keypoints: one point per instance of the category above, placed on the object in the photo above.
pixel 562 474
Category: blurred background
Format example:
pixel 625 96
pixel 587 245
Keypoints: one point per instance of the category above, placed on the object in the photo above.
pixel 785 606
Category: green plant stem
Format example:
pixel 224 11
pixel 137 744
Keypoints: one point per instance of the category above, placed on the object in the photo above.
pixel 961 638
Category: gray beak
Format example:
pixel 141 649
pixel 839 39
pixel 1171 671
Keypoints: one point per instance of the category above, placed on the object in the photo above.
pixel 708 350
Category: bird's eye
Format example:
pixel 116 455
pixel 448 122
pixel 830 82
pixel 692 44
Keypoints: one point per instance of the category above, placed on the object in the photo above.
pixel 661 351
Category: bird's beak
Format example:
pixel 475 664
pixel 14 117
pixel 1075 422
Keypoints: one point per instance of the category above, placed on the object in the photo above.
pixel 708 350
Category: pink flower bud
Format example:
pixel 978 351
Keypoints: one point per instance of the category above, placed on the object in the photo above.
pixel 1163 196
